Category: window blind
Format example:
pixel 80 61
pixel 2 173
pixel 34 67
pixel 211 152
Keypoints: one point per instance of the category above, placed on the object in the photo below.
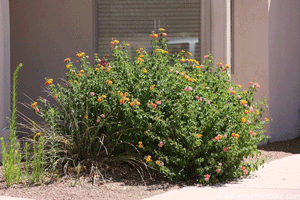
pixel 133 20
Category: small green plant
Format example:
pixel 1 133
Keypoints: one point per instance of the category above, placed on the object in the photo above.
pixel 11 152
pixel 38 159
pixel 26 169
pixel 182 118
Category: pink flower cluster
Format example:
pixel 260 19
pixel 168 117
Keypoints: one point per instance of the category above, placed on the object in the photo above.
pixel 207 176
pixel 244 171
pixel 201 100
pixel 198 98
pixel 225 149
pixel 188 88
pixel 245 105
pixel 252 133
pixel 160 144
pixel 254 84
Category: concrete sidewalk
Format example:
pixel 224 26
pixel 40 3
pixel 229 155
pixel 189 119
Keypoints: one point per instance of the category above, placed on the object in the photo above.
pixel 279 179
pixel 12 198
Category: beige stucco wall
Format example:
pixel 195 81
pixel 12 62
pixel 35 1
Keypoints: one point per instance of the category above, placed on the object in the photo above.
pixel 4 64
pixel 266 47
pixel 219 36
pixel 251 47
pixel 284 68
pixel 45 32
pixel 4 70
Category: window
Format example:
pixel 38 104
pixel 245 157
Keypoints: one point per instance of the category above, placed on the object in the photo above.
pixel 132 21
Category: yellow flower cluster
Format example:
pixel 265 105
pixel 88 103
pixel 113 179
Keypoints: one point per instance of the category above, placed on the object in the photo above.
pixel 80 54
pixel 235 135
pixel 68 66
pixel 140 60
pixel 49 82
pixel 136 102
pixel 193 60
pixel 161 50
pixel 188 78
pixel 148 158
pixel 244 102
pixel 140 144
pixel 33 105
pixel 266 119
pixel 161 29
pixel 109 82
pixel 114 42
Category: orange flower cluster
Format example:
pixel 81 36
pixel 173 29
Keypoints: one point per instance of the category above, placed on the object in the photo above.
pixel 140 144
pixel 218 137
pixel 49 82
pixel 114 42
pixel 33 105
pixel 109 82
pixel 235 135
pixel 152 87
pixel 148 158
pixel 244 119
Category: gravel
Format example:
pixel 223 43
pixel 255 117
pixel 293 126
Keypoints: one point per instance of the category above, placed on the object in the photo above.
pixel 123 182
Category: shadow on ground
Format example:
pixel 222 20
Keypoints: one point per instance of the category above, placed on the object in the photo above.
pixel 289 146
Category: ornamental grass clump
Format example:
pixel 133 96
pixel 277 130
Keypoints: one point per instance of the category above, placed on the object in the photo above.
pixel 180 117
pixel 11 156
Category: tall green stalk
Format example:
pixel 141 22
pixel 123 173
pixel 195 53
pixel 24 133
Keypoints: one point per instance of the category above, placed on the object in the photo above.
pixel 11 157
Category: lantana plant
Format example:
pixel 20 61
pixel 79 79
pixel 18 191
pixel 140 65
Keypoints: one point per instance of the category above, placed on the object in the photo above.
pixel 183 118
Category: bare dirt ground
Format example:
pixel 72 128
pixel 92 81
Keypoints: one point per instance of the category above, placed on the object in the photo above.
pixel 123 182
